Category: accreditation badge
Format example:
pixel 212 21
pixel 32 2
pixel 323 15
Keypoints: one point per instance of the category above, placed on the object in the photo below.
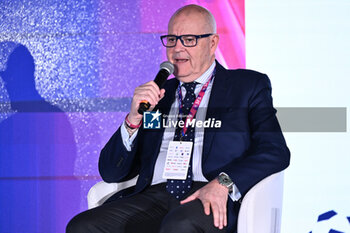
pixel 177 160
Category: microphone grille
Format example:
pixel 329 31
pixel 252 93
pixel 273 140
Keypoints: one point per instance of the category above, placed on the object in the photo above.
pixel 167 66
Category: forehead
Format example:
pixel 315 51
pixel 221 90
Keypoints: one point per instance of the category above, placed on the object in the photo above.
pixel 190 23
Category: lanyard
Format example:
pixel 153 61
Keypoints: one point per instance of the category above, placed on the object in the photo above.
pixel 195 105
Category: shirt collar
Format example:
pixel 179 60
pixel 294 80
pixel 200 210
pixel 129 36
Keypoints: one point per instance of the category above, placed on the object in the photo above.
pixel 205 76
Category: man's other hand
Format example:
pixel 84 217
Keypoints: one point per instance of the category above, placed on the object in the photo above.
pixel 213 196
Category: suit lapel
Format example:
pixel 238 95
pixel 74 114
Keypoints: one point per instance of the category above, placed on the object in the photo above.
pixel 215 106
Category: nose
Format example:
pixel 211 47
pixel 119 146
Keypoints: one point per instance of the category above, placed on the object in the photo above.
pixel 179 46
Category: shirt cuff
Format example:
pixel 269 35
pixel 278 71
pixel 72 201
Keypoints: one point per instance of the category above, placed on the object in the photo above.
pixel 127 140
pixel 235 195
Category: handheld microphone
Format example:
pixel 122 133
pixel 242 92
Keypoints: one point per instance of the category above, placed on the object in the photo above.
pixel 166 69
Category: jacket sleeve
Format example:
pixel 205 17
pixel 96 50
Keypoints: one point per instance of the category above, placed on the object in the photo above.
pixel 116 163
pixel 268 152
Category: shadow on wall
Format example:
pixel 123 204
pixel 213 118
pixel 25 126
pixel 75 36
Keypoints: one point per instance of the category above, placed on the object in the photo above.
pixel 37 153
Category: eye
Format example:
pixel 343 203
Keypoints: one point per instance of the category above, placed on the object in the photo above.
pixel 171 39
pixel 189 39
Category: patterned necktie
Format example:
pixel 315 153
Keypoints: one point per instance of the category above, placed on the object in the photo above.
pixel 179 188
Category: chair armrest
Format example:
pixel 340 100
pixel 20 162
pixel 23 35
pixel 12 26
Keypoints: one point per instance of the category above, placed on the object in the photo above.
pixel 260 210
pixel 101 191
pixel 261 206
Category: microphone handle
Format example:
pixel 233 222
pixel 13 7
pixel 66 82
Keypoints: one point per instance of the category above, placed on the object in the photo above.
pixel 143 107
pixel 161 77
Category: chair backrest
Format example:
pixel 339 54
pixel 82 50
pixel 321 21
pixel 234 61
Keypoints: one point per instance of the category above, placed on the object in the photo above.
pixel 261 207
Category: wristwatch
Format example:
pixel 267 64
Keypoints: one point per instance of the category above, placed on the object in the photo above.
pixel 226 181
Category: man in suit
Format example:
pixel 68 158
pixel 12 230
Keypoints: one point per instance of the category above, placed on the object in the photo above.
pixel 225 162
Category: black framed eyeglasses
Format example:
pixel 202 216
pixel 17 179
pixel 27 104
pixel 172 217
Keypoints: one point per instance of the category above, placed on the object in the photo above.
pixel 186 40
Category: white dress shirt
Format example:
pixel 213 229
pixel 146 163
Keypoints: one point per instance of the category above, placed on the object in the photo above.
pixel 170 132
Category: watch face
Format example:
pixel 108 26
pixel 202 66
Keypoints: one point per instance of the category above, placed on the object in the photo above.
pixel 225 180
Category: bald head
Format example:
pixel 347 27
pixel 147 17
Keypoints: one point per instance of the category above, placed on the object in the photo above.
pixel 207 20
pixel 192 61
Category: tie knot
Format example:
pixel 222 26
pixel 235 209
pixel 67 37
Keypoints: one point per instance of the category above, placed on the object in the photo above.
pixel 189 86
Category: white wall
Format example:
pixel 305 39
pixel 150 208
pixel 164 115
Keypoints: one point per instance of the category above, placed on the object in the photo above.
pixel 304 47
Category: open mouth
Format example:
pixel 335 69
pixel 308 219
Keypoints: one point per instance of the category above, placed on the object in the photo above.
pixel 180 60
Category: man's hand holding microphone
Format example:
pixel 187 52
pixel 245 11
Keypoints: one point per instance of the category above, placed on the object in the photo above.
pixel 147 96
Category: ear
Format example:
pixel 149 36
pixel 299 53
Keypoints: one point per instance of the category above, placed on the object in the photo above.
pixel 214 43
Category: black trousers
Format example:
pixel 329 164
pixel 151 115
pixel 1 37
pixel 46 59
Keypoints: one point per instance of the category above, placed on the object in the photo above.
pixel 151 211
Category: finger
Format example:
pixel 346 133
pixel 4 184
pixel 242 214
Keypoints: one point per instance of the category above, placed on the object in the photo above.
pixel 194 196
pixel 225 217
pixel 153 87
pixel 150 99
pixel 206 206
pixel 216 214
pixel 146 94
pixel 221 218
pixel 162 93
pixel 149 88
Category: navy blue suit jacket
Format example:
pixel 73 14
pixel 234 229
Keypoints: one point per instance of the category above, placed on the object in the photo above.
pixel 249 146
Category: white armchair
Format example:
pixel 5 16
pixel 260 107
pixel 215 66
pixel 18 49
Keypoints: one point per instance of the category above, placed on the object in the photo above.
pixel 261 207
pixel 101 191
pixel 260 211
